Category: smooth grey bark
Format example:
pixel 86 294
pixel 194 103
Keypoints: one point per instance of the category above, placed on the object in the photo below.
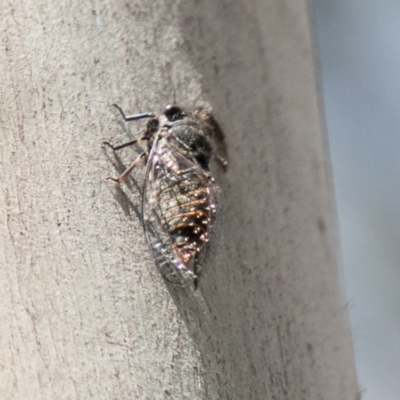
pixel 84 312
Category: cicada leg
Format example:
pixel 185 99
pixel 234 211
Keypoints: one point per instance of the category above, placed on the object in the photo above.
pixel 142 158
pixel 221 160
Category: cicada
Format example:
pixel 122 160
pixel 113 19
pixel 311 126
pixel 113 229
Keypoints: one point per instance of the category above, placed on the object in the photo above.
pixel 180 198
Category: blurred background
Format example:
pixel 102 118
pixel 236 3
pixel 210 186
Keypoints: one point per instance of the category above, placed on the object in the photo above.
pixel 359 55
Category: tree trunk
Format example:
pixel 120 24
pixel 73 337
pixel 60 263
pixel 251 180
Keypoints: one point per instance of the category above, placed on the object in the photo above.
pixel 84 312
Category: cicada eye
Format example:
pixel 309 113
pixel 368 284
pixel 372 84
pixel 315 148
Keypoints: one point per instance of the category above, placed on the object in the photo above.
pixel 173 113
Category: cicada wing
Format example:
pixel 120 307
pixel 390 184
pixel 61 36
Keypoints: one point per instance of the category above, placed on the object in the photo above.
pixel 170 170
pixel 159 179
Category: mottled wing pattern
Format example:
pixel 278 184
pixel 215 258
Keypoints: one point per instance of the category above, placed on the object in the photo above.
pixel 179 209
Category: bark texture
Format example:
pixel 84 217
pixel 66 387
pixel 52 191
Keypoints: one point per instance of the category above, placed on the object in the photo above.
pixel 84 312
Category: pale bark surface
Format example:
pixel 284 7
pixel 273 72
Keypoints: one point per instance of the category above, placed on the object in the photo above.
pixel 85 314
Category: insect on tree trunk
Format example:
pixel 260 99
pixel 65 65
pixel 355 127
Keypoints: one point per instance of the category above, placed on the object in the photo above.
pixel 85 314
